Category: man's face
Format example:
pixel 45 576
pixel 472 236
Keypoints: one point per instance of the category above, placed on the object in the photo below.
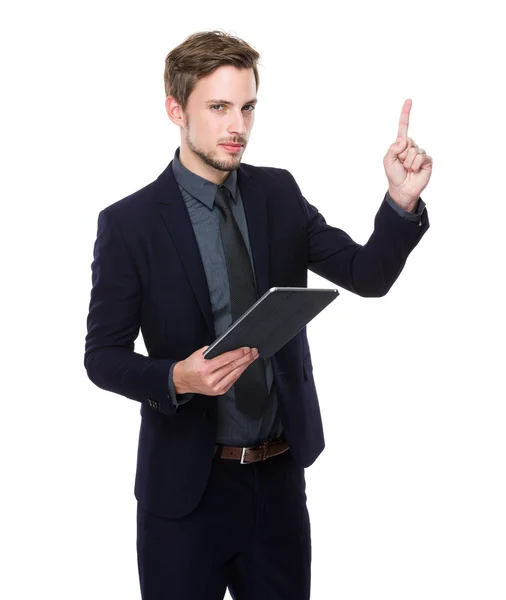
pixel 220 110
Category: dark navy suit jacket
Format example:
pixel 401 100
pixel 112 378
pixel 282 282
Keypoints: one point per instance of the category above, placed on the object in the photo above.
pixel 147 273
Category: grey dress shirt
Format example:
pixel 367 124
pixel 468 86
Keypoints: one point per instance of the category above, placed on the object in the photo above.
pixel 234 428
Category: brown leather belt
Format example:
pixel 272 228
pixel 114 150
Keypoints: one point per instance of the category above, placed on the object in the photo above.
pixel 255 454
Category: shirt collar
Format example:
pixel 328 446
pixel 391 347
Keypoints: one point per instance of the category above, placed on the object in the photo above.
pixel 201 188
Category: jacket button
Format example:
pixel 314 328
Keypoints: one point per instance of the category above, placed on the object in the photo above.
pixel 209 414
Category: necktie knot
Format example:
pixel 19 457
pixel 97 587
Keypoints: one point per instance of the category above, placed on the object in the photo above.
pixel 223 198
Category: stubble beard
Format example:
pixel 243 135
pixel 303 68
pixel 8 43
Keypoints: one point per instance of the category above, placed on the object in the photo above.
pixel 209 157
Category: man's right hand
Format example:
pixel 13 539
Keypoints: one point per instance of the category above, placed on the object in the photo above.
pixel 211 377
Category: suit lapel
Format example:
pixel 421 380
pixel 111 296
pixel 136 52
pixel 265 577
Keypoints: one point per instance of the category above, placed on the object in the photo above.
pixel 255 208
pixel 173 211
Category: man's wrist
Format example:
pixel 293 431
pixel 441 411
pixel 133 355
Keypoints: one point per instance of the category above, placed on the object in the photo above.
pixel 177 399
pixel 414 215
pixel 179 385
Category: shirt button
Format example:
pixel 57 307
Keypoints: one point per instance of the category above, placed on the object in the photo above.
pixel 209 415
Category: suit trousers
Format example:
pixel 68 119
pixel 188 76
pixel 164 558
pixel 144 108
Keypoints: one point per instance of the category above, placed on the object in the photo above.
pixel 250 533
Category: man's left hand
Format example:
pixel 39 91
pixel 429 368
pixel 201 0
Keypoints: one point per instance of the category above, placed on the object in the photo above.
pixel 408 168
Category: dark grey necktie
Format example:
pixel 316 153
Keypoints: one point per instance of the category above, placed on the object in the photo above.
pixel 251 394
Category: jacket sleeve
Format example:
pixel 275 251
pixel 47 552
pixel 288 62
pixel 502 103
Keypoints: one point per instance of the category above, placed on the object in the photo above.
pixel 368 270
pixel 114 323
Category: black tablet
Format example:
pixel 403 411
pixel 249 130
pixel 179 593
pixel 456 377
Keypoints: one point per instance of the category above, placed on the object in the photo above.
pixel 273 320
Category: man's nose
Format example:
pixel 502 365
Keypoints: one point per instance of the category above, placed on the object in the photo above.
pixel 237 124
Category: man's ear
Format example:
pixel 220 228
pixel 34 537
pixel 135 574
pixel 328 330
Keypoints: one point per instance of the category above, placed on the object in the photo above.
pixel 174 111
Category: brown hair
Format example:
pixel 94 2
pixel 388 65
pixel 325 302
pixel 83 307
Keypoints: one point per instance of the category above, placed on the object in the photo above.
pixel 201 54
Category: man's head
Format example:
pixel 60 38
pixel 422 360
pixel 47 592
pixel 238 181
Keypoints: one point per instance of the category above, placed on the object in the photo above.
pixel 211 81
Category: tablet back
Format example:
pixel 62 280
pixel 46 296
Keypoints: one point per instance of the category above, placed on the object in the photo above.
pixel 273 320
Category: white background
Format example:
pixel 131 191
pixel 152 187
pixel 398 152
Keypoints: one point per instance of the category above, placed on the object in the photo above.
pixel 408 499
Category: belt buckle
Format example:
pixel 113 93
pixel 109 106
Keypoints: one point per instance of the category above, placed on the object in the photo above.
pixel 263 448
pixel 243 453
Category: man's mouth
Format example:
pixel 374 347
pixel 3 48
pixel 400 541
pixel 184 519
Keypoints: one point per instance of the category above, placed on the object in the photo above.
pixel 232 147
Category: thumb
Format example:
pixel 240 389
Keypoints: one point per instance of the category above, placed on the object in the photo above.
pixel 401 144
pixel 397 148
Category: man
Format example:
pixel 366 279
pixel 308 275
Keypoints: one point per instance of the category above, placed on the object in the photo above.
pixel 224 442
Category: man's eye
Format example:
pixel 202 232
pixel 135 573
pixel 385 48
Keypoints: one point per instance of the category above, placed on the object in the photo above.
pixel 217 106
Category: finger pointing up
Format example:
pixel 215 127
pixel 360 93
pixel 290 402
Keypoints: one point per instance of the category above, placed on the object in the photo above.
pixel 404 120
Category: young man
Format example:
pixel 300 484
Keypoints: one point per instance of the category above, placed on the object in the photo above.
pixel 224 442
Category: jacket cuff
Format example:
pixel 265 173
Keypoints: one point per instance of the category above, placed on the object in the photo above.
pixel 415 216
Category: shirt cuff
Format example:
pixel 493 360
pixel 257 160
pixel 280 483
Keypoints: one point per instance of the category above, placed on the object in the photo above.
pixel 415 216
pixel 177 399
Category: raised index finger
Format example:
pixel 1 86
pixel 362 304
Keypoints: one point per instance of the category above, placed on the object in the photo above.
pixel 404 120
